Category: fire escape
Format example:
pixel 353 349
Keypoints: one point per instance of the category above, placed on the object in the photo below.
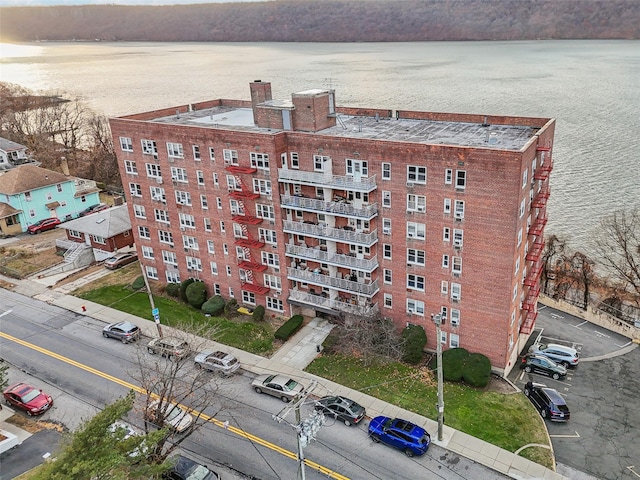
pixel 247 241
pixel 536 233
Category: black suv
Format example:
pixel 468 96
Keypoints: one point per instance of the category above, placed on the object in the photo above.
pixel 548 402
pixel 544 365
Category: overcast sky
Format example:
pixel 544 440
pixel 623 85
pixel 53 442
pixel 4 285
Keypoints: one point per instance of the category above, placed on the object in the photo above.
pixel 23 3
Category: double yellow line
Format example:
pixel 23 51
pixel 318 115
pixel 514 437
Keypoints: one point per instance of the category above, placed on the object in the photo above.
pixel 241 433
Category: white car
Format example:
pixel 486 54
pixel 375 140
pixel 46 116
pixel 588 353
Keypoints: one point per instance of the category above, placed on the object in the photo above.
pixel 561 354
pixel 176 417
pixel 217 361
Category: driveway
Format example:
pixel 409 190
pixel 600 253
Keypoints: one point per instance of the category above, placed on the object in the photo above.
pixel 603 437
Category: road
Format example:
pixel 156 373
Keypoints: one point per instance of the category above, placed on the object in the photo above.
pixel 69 358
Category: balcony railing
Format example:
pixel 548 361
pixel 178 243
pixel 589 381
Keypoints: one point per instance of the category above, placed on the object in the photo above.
pixel 308 276
pixel 317 179
pixel 334 234
pixel 339 260
pixel 332 208
pixel 331 306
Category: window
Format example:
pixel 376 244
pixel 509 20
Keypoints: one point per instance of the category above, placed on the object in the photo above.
pixel 212 154
pixel 456 266
pixel 388 300
pixel 179 174
pixel 203 202
pixel 416 230
pixel 200 177
pixel 219 203
pixel 443 312
pixel 228 271
pixel 319 161
pixel 275 304
pixel 144 232
pixel 215 179
pixel 295 160
pixel 416 174
pixel 387 276
pixel 98 239
pixel 415 307
pixel 59 187
pixel 515 292
pixel 271 259
pixel 126 144
pixel 130 167
pixel 49 195
pixel 386 251
pixel 152 272
pixel 459 210
pixel 268 236
pixel 445 261
pixel 520 236
pixel 248 297
pixel 174 150
pixel 386 171
pixel 525 177
pixel 169 258
pixel 161 215
pixel 522 208
pixel 265 211
pixel 447 206
pixel 262 186
pixel 214 268
pixel 194 263
pixel 222 227
pixel 456 292
pixel 153 170
pixel 134 189
pixel 172 277
pixel 196 153
pixel 225 249
pixel 187 221
pixel 454 340
pixel 165 237
pixel 457 237
pixel 139 211
pixel 517 268
pixel 27 195
pixel 444 287
pixel 443 337
pixel 183 198
pixel 415 257
pixel 386 226
pixel 461 179
pixel 216 289
pixel 207 224
pixel 157 193
pixel 74 234
pixel 455 317
pixel 416 203
pixel 386 199
pixel 272 281
pixel 259 160
pixel 149 147
pixel 357 168
pixel 415 282
pixel 147 252
pixel 448 176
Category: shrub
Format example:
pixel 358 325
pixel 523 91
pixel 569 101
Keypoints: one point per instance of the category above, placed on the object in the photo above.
pixel 258 313
pixel 138 283
pixel 183 288
pixel 415 339
pixel 196 294
pixel 172 289
pixel 214 306
pixel 453 362
pixel 231 308
pixel 477 370
pixel 289 328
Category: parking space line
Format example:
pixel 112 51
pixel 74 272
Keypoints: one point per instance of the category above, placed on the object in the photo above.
pixel 559 340
pixel 631 469
pixel 542 307
pixel 555 315
pixel 580 324
pixel 600 334
pixel 577 435
pixel 622 346
pixel 5 313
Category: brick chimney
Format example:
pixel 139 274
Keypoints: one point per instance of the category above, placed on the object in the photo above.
pixel 260 93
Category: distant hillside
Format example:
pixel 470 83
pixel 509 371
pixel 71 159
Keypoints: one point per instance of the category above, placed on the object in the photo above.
pixel 329 21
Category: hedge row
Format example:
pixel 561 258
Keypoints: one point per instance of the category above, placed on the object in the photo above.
pixel 289 327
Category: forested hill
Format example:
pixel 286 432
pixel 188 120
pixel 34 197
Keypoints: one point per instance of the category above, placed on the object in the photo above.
pixel 329 21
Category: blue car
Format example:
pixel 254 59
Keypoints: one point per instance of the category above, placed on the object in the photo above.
pixel 401 434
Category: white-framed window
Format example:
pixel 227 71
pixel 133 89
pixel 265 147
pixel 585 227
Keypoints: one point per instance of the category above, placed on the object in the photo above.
pixel 149 147
pixel 272 281
pixel 448 176
pixel 174 150
pixel 319 161
pixel 268 236
pixel 194 263
pixel 454 340
pixel 248 297
pixel 228 269
pixel 447 206
pixel 200 177
pixel 525 177
pixel 456 292
pixel 225 249
pixel 455 317
pixel 134 189
pixel 152 272
pixel 443 337
pixel 357 167
pixel 520 236
pixel 170 258
pixel 388 300
pixel 415 282
pixel 32 213
pixel 386 251
pixel 295 160
pixel 456 265
pixel 522 205
pixel 59 187
pixel 271 259
pixel 179 174
pixel 275 304
pixel 237 231
pixel 461 179
pixel 130 167
pixel 98 239
pixel 259 160
pixel 183 198
pixel 190 243
pixel 75 234
pixel 161 215
pixel 207 224
pixel 458 236
pixel 444 312
pixel 214 268
pixel 144 232
pixel 416 203
pixel 416 230
pixel 445 261
pixel 216 181
pixel 386 199
pixel 459 210
pixel 416 257
pixel 126 145
pixel 219 203
pixel 153 170
pixel 196 153
pixel 222 227
pixel 517 268
pixel 49 195
pixel 386 171
pixel 203 202
pixel 165 237
pixel 261 186
pixel 212 154
pixel 172 276
pixel 444 287
pixel 147 252
pixel 265 211
pixel 388 276
pixel 139 211
pixel 157 194
pixel 515 292
pixel 211 248
pixel 386 226
pixel 216 289
pixel 187 220
pixel 415 307
pixel 416 174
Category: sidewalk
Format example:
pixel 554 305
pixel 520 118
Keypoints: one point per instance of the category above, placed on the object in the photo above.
pixel 290 360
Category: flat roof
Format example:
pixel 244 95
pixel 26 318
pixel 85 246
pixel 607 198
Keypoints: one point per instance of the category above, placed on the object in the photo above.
pixel 428 132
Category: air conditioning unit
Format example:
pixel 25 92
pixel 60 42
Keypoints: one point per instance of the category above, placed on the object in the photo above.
pixel 410 184
pixel 156 197
pixel 159 180
pixel 171 159
pixel 422 209
pixel 457 244
pixel 182 229
pixel 410 235
pixel 455 297
pixel 386 231
pixel 459 215
pixel 456 274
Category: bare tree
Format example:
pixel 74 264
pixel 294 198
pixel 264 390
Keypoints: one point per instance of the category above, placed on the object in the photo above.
pixel 103 162
pixel 553 251
pixel 582 270
pixel 618 246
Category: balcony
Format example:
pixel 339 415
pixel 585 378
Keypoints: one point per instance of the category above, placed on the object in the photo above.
pixel 340 208
pixel 319 179
pixel 308 276
pixel 336 259
pixel 327 305
pixel 333 234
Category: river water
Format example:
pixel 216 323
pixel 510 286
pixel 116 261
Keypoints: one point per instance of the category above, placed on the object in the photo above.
pixel 592 89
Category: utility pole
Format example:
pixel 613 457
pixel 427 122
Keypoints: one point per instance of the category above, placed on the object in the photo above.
pixel 154 311
pixel 438 320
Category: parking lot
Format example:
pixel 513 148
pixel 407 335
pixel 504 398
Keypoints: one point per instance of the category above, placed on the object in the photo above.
pixel 602 439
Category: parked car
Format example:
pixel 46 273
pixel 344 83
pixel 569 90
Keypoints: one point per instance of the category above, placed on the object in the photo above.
pixel 169 347
pixel 217 361
pixel 341 408
pixel 542 364
pixel 98 207
pixel 184 468
pixel 124 331
pixel 43 225
pixel 175 417
pixel 548 402
pixel 120 260
pixel 124 431
pixel 285 388
pixel 565 356
pixel 28 398
pixel 401 434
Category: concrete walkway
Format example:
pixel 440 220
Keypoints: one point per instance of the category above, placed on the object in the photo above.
pixel 290 360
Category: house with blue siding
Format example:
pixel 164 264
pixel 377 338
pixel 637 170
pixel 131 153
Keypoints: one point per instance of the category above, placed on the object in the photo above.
pixel 29 193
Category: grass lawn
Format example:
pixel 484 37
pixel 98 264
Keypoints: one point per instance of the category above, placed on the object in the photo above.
pixel 242 332
pixel 506 420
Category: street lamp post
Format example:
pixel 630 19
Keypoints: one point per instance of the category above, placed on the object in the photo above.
pixel 438 320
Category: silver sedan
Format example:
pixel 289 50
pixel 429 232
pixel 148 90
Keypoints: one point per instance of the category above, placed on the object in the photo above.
pixel 285 388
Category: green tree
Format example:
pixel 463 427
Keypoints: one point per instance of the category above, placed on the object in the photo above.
pixel 196 294
pixel 98 451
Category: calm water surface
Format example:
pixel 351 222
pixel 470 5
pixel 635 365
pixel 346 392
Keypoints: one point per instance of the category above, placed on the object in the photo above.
pixel 592 88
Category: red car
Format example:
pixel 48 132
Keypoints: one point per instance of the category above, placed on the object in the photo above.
pixel 28 398
pixel 43 225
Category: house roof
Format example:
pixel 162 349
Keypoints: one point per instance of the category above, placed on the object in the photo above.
pixel 106 224
pixel 7 210
pixel 25 178
pixel 9 146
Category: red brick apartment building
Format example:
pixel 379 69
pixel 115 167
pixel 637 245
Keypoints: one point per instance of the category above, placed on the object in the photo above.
pixel 306 207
